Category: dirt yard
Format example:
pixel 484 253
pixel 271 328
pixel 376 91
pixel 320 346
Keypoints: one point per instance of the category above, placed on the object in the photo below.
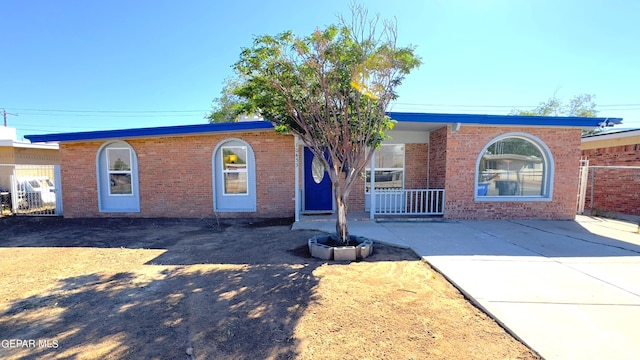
pixel 151 289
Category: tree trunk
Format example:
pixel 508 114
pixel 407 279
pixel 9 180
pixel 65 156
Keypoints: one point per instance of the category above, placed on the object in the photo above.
pixel 341 221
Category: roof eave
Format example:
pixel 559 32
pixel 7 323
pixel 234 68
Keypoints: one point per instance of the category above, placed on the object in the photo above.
pixel 471 119
pixel 182 130
pixel 506 120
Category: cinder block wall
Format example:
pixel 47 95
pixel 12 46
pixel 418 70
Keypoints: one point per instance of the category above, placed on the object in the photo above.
pixel 175 176
pixel 462 150
pixel 616 190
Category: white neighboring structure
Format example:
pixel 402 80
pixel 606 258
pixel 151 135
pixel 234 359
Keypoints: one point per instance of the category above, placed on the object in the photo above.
pixel 14 152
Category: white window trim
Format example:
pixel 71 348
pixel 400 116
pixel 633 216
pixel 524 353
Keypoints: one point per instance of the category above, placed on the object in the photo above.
pixel 102 180
pixel 367 168
pixel 547 183
pixel 120 172
pixel 250 198
pixel 224 172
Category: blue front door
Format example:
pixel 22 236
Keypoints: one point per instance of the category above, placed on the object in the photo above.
pixel 317 185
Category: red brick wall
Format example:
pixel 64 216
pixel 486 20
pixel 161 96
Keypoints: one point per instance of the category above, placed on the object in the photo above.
pixel 624 155
pixel 616 190
pixel 356 197
pixel 463 148
pixel 188 191
pixel 416 160
pixel 175 176
pixel 79 183
pixel 437 158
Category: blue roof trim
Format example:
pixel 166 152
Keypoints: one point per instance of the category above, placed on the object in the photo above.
pixel 154 131
pixel 504 119
pixel 511 120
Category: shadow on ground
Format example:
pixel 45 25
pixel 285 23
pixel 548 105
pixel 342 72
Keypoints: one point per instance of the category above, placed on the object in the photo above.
pixel 232 290
pixel 120 316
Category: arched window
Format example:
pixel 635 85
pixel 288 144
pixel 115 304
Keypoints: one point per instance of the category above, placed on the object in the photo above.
pixel 514 167
pixel 234 177
pixel 117 170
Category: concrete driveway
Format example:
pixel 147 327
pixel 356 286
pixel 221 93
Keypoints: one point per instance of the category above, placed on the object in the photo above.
pixel 568 289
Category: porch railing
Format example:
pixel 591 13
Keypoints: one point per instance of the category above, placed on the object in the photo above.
pixel 409 202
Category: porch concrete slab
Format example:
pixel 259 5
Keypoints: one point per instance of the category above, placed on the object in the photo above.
pixel 568 289
pixel 452 238
pixel 368 229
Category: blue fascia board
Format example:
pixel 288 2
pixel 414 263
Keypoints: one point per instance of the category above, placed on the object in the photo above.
pixel 512 120
pixel 507 120
pixel 153 131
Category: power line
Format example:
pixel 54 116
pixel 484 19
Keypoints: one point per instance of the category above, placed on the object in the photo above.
pixel 35 126
pixel 499 106
pixel 462 105
pixel 114 115
pixel 113 111
pixel 207 110
pixel 621 105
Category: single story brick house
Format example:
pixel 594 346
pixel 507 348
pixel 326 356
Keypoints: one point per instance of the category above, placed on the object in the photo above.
pixel 613 182
pixel 452 165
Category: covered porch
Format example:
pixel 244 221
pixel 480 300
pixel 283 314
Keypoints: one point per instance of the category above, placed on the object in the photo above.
pixel 405 177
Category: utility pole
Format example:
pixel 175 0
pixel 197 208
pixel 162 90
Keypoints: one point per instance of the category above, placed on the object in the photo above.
pixel 4 115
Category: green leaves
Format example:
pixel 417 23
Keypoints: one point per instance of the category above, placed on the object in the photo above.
pixel 331 88
pixel 582 105
pixel 329 79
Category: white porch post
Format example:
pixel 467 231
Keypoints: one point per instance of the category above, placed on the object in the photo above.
pixel 372 192
pixel 296 197
pixel 57 178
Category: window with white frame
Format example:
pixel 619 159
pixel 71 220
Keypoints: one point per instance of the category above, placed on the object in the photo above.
pixel 514 167
pixel 119 171
pixel 389 168
pixel 234 170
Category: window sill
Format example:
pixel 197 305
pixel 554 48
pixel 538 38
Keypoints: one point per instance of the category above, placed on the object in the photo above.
pixel 512 199
pixel 235 210
pixel 119 210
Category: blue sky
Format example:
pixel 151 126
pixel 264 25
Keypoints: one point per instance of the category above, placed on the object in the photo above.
pixel 90 65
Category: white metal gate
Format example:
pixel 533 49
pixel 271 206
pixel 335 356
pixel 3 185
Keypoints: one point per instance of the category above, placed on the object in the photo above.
pixel 36 190
pixel 582 184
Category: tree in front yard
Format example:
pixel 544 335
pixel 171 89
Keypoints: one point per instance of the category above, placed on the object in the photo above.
pixel 332 89
pixel 228 106
pixel 582 105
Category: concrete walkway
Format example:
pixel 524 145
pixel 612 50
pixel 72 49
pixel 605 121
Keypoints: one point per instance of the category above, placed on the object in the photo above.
pixel 568 289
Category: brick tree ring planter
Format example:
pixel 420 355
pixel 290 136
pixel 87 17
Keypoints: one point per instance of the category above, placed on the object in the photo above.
pixel 321 247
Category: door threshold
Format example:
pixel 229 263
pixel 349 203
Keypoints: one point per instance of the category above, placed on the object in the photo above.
pixel 318 212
